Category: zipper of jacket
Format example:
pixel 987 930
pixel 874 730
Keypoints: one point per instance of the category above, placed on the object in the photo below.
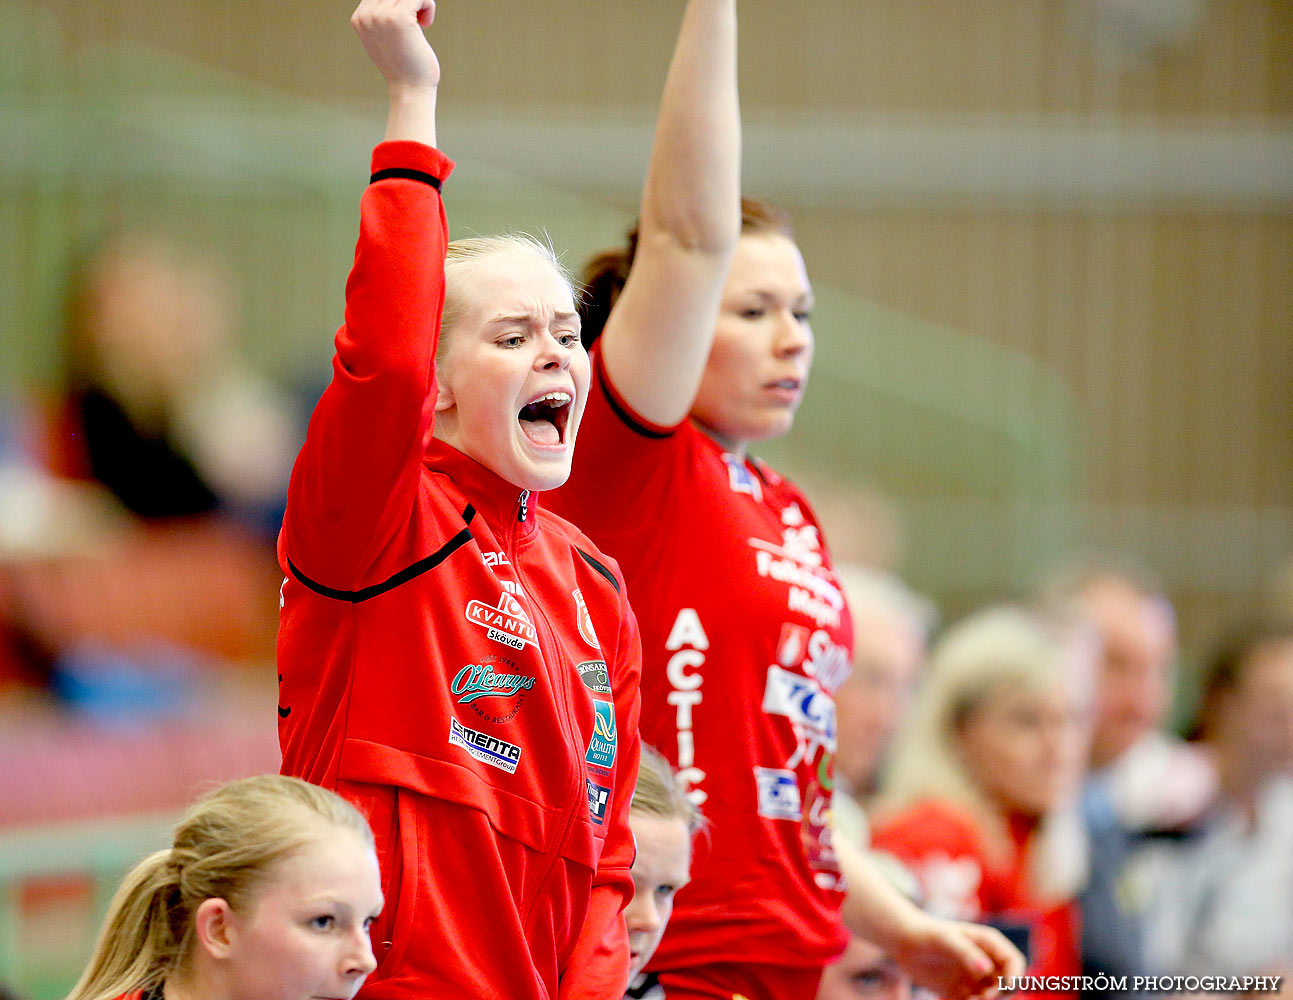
pixel 580 793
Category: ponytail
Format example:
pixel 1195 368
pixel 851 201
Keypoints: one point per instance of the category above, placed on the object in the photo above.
pixel 138 944
pixel 605 273
pixel 224 847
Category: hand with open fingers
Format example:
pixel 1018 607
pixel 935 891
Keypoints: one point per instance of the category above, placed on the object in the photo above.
pixel 957 960
pixel 391 31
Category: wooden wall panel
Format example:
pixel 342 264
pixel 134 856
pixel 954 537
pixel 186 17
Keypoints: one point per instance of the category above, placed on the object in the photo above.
pixel 1168 324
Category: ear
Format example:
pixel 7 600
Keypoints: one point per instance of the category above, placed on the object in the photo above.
pixel 444 395
pixel 215 927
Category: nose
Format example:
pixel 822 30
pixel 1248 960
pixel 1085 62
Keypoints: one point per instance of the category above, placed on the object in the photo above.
pixel 553 354
pixel 359 960
pixel 642 915
pixel 794 336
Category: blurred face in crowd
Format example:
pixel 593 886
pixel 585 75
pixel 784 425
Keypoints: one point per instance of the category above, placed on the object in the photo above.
pixel 864 971
pixel 1025 746
pixel 763 344
pixel 305 933
pixel 887 656
pixel 514 376
pixel 1134 683
pixel 661 868
pixel 1256 715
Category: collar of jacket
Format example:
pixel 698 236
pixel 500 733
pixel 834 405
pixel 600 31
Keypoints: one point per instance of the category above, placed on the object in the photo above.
pixel 497 500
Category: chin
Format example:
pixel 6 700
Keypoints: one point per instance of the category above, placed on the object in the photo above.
pixel 541 476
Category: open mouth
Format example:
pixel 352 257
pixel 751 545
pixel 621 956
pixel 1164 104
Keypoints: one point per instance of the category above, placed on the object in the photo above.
pixel 789 384
pixel 544 419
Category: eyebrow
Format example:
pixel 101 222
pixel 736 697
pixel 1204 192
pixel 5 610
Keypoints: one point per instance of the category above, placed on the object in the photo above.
pixel 804 298
pixel 528 319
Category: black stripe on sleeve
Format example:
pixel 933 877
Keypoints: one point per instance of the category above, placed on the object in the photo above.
pixel 402 577
pixel 600 569
pixel 407 174
pixel 630 421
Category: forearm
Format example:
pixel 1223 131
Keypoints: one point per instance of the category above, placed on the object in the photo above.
pixel 412 114
pixel 873 909
pixel 693 186
pixel 658 335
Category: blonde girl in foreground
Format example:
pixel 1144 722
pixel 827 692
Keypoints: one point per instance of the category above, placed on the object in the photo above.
pixel 266 893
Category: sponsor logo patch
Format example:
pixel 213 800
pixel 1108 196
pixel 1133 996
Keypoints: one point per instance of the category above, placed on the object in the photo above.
pixel 595 676
pixel 478 680
pixel 740 478
pixel 601 748
pixel 485 748
pixel 493 688
pixel 507 623
pixel 598 798
pixel 584 620
pixel 804 703
pixel 778 793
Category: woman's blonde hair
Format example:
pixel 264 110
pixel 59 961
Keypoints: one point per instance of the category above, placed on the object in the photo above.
pixel 462 254
pixel 224 847
pixel 658 793
pixel 998 648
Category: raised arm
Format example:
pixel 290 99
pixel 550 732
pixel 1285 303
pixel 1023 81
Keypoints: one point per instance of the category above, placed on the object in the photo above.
pixel 391 31
pixel 356 478
pixel 658 335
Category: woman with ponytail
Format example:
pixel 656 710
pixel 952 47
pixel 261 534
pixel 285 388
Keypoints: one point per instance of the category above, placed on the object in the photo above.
pixel 266 893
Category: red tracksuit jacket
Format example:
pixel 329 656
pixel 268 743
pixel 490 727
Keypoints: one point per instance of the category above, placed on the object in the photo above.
pixel 445 638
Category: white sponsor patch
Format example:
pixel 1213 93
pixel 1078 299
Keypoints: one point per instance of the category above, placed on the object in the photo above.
pixel 507 623
pixel 485 748
pixel 778 793
pixel 803 702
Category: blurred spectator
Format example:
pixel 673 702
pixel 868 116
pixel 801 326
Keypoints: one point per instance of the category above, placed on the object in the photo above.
pixel 1225 901
pixel 159 412
pixel 159 408
pixel 981 796
pixel 1145 784
pixel 891 626
pixel 865 970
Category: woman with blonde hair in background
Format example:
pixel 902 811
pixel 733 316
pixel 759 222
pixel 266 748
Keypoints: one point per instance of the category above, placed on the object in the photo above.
pixel 981 797
pixel 266 893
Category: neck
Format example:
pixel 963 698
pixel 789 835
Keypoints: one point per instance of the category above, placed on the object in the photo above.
pixel 729 444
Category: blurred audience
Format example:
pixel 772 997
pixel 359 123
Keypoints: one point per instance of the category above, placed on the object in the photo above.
pixel 980 801
pixel 891 627
pixel 1224 902
pixel 663 821
pixel 142 506
pixel 865 970
pixel 159 407
pixel 1145 785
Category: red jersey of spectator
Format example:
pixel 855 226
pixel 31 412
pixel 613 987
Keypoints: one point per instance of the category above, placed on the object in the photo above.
pixel 459 662
pixel 745 638
pixel 942 845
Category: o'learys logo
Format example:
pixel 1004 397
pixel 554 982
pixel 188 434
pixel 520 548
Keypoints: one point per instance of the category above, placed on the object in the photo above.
pixel 478 680
pixel 601 748
pixel 595 676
